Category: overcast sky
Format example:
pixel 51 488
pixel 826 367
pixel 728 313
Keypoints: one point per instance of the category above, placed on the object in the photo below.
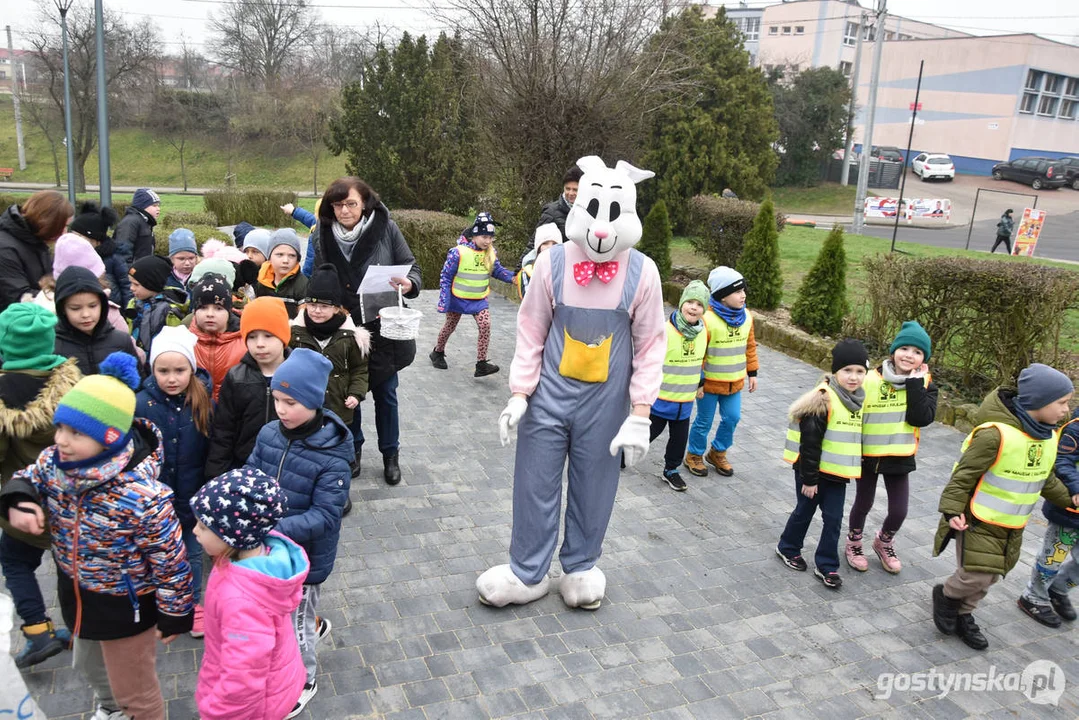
pixel 1054 19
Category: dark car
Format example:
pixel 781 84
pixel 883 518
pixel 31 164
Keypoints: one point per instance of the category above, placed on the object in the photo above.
pixel 1071 171
pixel 1034 171
pixel 887 152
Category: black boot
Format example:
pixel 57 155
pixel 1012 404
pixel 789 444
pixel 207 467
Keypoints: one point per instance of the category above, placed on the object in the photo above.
pixel 1042 613
pixel 355 467
pixel 348 507
pixel 969 632
pixel 1063 605
pixel 41 644
pixel 438 359
pixel 945 611
pixel 484 368
pixel 392 471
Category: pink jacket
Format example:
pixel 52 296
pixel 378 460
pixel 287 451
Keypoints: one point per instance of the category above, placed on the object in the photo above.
pixel 251 665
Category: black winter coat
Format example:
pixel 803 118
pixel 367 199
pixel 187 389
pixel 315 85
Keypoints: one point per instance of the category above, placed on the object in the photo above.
pixel 380 244
pixel 134 236
pixel 24 259
pixel 243 407
pixel 88 350
pixel 115 272
pixel 555 212
pixel 921 412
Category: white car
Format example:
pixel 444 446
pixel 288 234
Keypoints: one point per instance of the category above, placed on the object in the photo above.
pixel 933 165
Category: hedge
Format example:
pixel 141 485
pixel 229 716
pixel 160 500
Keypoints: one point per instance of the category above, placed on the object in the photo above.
pixel 718 226
pixel 258 207
pixel 822 298
pixel 430 235
pixel 987 319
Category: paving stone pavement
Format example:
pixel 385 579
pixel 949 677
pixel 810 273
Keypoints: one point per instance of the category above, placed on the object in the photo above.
pixel 700 620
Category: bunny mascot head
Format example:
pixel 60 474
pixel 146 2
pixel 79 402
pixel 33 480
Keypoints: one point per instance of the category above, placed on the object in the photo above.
pixel 603 221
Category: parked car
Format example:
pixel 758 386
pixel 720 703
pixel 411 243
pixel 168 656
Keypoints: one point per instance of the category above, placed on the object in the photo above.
pixel 887 152
pixel 1034 171
pixel 1071 171
pixel 933 165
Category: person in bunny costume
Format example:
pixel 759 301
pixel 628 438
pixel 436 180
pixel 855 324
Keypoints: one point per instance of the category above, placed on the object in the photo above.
pixel 586 370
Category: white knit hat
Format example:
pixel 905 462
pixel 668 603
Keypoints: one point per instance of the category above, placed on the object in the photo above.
pixel 176 339
pixel 724 281
pixel 546 233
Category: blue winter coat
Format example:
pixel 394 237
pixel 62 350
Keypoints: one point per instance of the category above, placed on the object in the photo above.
pixel 185 447
pixel 308 220
pixel 315 475
pixel 1066 470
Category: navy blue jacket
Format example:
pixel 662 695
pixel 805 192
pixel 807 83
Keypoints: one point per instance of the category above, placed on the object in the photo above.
pixel 1066 470
pixel 185 447
pixel 115 272
pixel 315 474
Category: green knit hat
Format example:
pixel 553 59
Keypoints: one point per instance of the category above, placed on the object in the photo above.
pixel 28 338
pixel 102 406
pixel 696 290
pixel 914 335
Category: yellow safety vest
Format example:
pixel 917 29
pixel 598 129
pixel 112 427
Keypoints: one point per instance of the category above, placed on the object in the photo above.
pixel 682 366
pixel 1008 492
pixel 885 431
pixel 726 359
pixel 841 448
pixel 473 279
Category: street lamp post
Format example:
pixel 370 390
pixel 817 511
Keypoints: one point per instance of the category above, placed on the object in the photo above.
pixel 63 6
pixel 104 171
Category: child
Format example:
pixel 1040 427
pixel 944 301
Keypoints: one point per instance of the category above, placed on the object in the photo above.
pixel 75 250
pixel 184 255
pixel 309 450
pixel 1055 570
pixel 232 264
pixel 280 276
pixel 546 237
pixel 154 306
pixel 220 345
pixel 83 330
pixel 256 245
pixel 464 288
pixel 122 574
pixel 1007 463
pixel 31 385
pixel 93 223
pixel 687 341
pixel 731 365
pixel 900 398
pixel 251 666
pixel 324 326
pixel 244 400
pixel 824 444
pixel 176 399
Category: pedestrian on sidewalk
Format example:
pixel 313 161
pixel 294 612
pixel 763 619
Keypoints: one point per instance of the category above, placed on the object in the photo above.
pixel 464 287
pixel 900 398
pixel 1007 463
pixel 1004 232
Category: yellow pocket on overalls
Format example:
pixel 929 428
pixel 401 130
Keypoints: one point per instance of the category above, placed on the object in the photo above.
pixel 587 363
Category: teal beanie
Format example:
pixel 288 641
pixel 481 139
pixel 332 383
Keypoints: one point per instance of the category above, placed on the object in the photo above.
pixel 914 335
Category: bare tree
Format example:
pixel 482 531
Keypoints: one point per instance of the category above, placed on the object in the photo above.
pixel 180 115
pixel 261 38
pixel 49 121
pixel 130 57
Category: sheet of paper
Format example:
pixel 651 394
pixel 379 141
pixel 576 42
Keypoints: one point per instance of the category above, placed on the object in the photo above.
pixel 377 278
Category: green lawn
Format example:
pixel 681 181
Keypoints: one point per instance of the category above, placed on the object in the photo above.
pixel 825 199
pixel 169 202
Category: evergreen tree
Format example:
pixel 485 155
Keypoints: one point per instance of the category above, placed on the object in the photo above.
pixel 822 299
pixel 656 238
pixel 759 261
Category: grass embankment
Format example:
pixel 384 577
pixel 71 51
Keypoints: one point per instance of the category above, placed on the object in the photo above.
pixel 170 202
pixel 824 199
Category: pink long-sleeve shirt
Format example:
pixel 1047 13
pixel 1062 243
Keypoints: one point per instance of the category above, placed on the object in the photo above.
pixel 646 318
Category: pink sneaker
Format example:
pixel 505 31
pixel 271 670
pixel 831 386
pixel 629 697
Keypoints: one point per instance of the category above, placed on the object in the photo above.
pixel 196 628
pixel 885 550
pixel 855 556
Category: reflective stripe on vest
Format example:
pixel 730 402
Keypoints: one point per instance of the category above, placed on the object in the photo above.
pixel 473 279
pixel 682 365
pixel 1008 492
pixel 726 359
pixel 885 431
pixel 841 448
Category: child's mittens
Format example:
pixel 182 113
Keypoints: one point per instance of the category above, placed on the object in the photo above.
pixel 632 439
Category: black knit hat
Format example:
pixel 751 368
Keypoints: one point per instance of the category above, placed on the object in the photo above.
pixel 484 224
pixel 324 286
pixel 93 221
pixel 849 352
pixel 151 272
pixel 211 289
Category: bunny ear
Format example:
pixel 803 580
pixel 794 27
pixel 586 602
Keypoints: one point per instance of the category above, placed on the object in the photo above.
pixel 591 163
pixel 635 174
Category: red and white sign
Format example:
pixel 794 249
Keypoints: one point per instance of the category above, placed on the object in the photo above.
pixel 917 107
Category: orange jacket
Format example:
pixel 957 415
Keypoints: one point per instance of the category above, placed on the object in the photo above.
pixel 218 352
pixel 725 387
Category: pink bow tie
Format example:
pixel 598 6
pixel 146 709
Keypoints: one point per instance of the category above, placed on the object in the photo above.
pixel 605 271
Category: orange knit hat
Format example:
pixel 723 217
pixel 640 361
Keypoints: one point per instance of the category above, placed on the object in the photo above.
pixel 266 313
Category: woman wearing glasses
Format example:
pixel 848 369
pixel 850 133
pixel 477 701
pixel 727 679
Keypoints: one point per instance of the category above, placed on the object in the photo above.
pixel 354 232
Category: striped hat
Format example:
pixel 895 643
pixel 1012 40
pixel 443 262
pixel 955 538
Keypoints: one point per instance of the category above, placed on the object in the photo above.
pixel 102 406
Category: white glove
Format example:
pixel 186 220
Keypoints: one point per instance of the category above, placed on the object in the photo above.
pixel 632 439
pixel 515 410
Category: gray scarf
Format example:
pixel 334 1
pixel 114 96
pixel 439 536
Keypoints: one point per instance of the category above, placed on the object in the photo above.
pixel 347 239
pixel 888 372
pixel 851 400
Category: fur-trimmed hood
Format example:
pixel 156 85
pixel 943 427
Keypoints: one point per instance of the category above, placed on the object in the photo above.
pixel 36 415
pixel 814 402
pixel 360 334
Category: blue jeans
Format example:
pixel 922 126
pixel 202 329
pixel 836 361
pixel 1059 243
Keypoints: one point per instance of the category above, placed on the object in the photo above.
pixel 829 498
pixel 387 423
pixel 19 561
pixel 194 559
pixel 730 412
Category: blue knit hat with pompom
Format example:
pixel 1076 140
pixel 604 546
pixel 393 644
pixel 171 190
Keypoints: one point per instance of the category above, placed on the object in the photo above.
pixel 102 406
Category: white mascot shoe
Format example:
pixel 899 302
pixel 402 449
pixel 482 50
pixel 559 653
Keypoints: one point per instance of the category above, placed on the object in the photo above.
pixel 500 587
pixel 584 589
